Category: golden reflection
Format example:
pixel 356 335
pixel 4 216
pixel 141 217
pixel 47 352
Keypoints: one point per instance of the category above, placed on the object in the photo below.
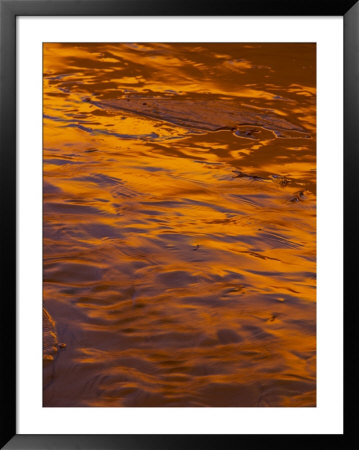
pixel 180 224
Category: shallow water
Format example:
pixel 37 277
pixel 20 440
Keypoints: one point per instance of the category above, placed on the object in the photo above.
pixel 180 224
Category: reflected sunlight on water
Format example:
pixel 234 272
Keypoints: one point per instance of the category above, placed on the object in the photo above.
pixel 180 224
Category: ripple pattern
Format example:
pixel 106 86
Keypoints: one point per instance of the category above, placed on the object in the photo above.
pixel 180 224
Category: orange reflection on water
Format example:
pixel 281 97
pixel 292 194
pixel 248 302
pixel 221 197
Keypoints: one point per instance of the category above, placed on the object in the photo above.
pixel 180 224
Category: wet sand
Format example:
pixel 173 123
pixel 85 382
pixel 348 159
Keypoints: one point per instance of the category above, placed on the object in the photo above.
pixel 180 224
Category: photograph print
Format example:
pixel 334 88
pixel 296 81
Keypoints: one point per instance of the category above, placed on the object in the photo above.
pixel 179 224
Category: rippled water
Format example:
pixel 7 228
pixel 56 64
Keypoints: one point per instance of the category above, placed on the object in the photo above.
pixel 180 224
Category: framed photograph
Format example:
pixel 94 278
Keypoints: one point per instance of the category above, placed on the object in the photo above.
pixel 173 179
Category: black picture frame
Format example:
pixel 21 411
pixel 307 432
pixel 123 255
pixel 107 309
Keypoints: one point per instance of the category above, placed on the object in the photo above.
pixel 9 10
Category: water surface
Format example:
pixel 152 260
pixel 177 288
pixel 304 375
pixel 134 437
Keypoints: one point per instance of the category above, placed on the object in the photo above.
pixel 180 224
